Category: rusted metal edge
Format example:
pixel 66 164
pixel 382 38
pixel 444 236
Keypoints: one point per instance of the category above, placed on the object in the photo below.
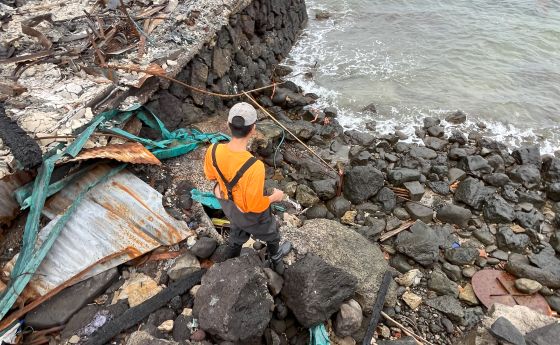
pixel 131 152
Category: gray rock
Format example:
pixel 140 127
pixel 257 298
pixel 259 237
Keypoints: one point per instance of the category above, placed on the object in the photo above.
pixel 422 152
pixel 508 240
pixel 325 189
pixel 421 243
pixel 338 206
pixel 181 328
pixel 183 265
pixel 457 117
pixel 344 248
pixel 457 137
pixel 528 175
pixel 431 121
pixel 204 247
pixel 421 212
pixel 399 176
pixel 475 165
pixel 348 319
pixel 237 308
pixel 553 191
pixel 442 285
pixel 520 266
pixel 554 302
pixel 362 183
pixel 436 131
pixel 401 213
pixel 435 143
pixel 530 220
pixel 484 236
pixel 455 174
pixel 60 308
pixel 505 330
pixel 528 286
pixel 454 214
pixel 461 256
pixel 415 189
pixel 500 255
pixel 497 179
pixel 453 272
pixel 497 210
pixel 306 196
pixel 528 155
pixel 448 305
pixel 314 290
pixel 317 211
pixel 275 281
pixel 457 153
pixel 472 192
pixel 544 336
pixel 531 197
pixel 439 187
pixel 361 138
pixel 551 170
pixel 386 197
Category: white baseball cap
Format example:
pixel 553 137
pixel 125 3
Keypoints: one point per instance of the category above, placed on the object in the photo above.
pixel 245 110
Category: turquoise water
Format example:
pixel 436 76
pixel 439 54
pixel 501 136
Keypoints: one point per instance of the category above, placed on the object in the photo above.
pixel 498 61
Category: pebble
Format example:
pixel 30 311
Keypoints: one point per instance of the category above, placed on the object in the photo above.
pixel 412 300
pixel 74 88
pixel 166 326
pixel 410 278
pixel 74 339
pixel 467 295
pixel 527 286
pixel 469 271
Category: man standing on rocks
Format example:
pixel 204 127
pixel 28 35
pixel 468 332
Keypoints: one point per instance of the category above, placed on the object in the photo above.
pixel 240 188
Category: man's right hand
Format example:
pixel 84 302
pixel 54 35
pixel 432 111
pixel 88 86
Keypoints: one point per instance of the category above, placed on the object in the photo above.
pixel 277 195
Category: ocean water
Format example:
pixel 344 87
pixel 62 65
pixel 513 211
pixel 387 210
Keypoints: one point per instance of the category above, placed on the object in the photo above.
pixel 498 61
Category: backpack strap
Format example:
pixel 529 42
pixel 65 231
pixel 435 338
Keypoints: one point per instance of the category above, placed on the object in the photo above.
pixel 230 184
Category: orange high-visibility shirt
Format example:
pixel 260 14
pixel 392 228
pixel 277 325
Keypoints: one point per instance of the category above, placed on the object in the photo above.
pixel 248 194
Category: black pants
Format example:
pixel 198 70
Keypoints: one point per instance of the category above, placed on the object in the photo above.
pixel 262 226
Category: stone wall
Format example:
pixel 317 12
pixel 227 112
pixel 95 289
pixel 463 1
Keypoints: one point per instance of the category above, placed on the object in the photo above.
pixel 242 56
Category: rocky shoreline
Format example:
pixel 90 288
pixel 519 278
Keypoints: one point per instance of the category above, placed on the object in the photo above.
pixel 434 215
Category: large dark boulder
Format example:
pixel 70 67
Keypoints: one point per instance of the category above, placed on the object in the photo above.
pixel 233 302
pixel 314 290
pixel 551 170
pixel 528 155
pixel 497 210
pixel 454 214
pixel 528 175
pixel 399 176
pixel 508 240
pixel 546 335
pixel 475 165
pixel 347 250
pixel 472 192
pixel 421 243
pixel 553 191
pixel 543 267
pixel 362 183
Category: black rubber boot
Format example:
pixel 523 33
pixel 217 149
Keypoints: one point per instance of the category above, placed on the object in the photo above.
pixel 276 252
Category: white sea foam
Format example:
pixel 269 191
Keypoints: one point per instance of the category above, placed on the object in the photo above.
pixel 342 73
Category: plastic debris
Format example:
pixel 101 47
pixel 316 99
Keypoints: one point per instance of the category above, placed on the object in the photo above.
pixel 318 335
pixel 206 199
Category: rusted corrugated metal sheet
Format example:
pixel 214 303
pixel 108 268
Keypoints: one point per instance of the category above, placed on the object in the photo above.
pixel 123 215
pixel 9 208
pixel 134 153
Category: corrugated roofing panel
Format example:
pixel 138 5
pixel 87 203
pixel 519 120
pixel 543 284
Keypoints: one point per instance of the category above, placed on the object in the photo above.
pixel 123 215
